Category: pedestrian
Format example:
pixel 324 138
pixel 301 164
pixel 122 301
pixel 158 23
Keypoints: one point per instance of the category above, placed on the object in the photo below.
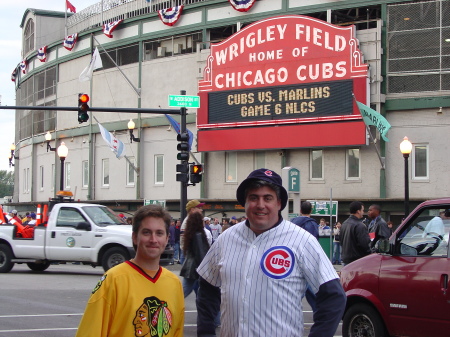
pixel 354 236
pixel 172 238
pixel 129 220
pixel 195 248
pixel 225 224
pixel 32 222
pixel 15 217
pixel 390 225
pixel 263 267
pixel 216 229
pixel 378 228
pixel 192 206
pixel 138 297
pixel 305 221
pixel 176 248
pixel 336 243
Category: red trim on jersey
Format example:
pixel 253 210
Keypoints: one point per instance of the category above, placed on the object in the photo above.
pixel 143 273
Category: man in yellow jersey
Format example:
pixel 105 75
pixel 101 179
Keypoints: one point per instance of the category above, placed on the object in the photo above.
pixel 138 297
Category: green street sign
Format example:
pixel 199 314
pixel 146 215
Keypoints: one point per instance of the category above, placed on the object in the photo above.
pixel 183 101
pixel 155 202
pixel 294 180
pixel 323 208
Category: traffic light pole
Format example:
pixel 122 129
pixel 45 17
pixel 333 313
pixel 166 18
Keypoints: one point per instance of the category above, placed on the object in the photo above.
pixel 183 184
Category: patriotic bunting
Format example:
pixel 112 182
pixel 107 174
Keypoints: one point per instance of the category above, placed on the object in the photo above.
pixel 24 66
pixel 170 16
pixel 108 28
pixel 42 54
pixel 69 41
pixel 242 5
pixel 14 75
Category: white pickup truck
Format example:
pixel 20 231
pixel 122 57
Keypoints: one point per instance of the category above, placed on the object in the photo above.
pixel 75 232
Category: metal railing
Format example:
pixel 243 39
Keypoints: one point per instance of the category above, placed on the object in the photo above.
pixel 111 10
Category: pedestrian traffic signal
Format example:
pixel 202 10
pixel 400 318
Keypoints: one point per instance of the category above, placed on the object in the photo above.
pixel 83 107
pixel 196 171
pixel 183 146
pixel 183 171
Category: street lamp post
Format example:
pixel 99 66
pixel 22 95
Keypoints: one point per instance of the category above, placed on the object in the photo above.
pixel 48 138
pixel 405 149
pixel 131 126
pixel 62 154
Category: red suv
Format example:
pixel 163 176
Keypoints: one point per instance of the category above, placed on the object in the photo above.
pixel 404 289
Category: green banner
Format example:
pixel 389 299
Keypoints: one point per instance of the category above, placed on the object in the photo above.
pixel 372 117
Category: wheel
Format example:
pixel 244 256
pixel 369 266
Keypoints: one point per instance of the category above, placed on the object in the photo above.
pixel 6 256
pixel 114 256
pixel 361 320
pixel 38 266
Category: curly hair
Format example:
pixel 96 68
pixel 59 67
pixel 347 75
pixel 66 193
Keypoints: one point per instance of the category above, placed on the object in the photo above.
pixel 194 224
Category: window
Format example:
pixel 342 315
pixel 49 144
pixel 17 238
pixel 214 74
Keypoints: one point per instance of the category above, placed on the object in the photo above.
pixel 131 175
pixel 420 162
pixel 105 172
pixel 353 167
pixel 66 175
pixel 122 56
pixel 85 173
pixel 159 169
pixel 28 37
pixel 316 165
pixel 260 160
pixel 41 178
pixel 426 235
pixel 26 181
pixel 180 44
pixel 231 167
pixel 69 217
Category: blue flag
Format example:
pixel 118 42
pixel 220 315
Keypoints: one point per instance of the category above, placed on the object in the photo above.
pixel 177 128
pixel 372 117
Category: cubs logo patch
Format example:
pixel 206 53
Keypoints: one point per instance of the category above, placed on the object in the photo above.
pixel 278 262
pixel 268 173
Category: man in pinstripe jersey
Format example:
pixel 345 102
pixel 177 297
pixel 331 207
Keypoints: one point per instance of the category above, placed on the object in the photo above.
pixel 259 269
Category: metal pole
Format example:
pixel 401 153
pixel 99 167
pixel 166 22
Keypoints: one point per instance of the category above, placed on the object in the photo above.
pixel 61 182
pixel 406 156
pixel 183 185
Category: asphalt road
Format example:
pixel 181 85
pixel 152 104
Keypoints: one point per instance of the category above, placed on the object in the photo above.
pixel 51 303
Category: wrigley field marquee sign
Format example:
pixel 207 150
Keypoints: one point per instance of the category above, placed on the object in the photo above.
pixel 294 72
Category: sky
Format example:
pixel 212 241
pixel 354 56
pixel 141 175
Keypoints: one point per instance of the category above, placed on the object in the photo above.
pixel 10 47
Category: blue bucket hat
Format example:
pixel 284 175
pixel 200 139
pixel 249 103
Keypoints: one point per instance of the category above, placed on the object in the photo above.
pixel 266 175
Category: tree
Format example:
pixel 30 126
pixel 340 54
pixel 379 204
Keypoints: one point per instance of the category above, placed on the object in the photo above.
pixel 6 183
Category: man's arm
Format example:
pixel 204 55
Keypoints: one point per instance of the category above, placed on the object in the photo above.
pixel 208 306
pixel 330 303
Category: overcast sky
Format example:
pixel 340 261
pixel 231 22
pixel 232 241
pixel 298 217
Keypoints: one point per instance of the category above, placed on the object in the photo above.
pixel 10 47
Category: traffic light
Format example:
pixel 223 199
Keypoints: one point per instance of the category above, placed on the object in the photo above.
pixel 182 174
pixel 196 171
pixel 83 107
pixel 183 146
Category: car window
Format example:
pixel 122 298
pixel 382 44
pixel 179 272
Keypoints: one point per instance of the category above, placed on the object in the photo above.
pixel 69 217
pixel 426 235
pixel 102 216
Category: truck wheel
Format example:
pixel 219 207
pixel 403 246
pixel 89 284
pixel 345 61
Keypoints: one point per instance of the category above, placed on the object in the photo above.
pixel 6 256
pixel 38 266
pixel 361 320
pixel 114 256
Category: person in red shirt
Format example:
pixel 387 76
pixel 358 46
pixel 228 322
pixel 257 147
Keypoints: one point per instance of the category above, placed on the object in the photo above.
pixel 15 217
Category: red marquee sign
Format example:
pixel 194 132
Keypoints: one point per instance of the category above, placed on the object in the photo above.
pixel 288 76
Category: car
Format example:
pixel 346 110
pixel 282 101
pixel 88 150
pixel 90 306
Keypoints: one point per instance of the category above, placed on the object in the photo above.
pixel 403 290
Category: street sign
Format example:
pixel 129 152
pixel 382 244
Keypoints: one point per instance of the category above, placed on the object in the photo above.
pixel 155 202
pixel 294 180
pixel 323 208
pixel 183 101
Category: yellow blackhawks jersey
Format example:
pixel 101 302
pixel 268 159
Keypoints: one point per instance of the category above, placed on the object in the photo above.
pixel 127 302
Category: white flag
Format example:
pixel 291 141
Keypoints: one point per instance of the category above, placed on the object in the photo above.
pixel 116 145
pixel 96 62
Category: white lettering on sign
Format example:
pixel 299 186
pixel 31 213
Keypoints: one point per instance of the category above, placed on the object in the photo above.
pixel 320 38
pixel 250 78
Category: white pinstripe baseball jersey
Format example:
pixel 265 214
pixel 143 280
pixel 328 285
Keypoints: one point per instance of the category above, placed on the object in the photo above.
pixel 263 278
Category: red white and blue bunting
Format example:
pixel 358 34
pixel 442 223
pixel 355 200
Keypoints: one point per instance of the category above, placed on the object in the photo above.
pixel 170 16
pixel 42 54
pixel 70 41
pixel 24 66
pixel 108 28
pixel 242 5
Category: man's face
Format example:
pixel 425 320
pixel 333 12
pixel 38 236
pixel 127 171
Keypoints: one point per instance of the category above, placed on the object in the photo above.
pixel 151 239
pixel 262 207
pixel 359 214
pixel 196 210
pixel 372 212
